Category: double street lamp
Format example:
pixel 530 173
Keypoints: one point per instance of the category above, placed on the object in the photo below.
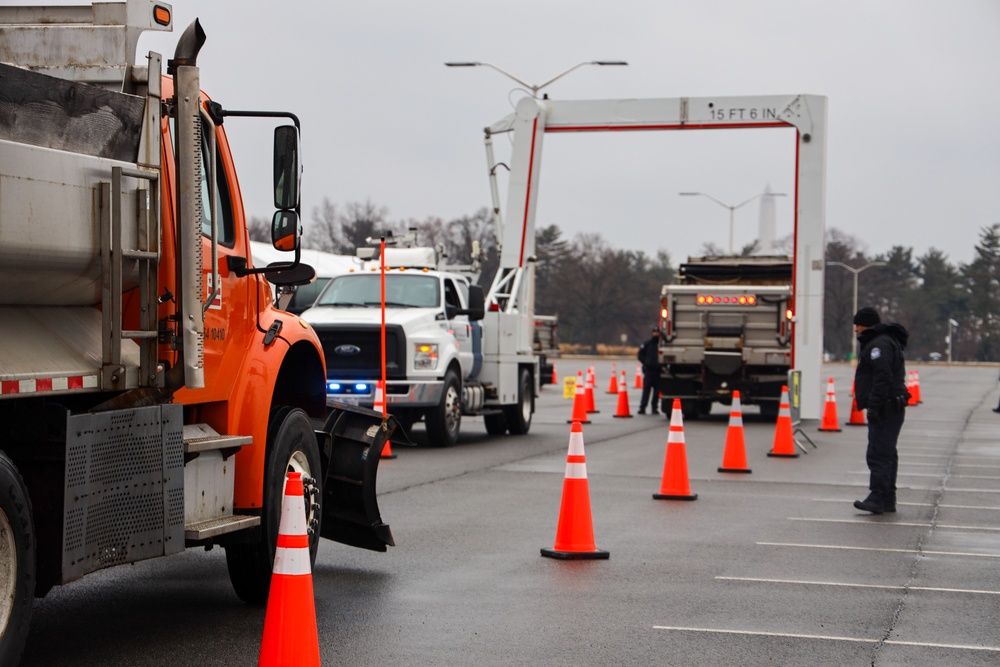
pixel 732 207
pixel 854 345
pixel 533 88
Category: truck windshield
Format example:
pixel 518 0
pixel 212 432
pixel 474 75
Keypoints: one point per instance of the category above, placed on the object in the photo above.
pixel 401 291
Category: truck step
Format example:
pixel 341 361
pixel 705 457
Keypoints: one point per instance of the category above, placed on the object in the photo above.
pixel 203 438
pixel 204 530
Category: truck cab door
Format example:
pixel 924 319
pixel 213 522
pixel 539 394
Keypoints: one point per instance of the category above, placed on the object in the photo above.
pixel 456 301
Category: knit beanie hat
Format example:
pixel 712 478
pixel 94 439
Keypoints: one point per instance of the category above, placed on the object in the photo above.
pixel 867 317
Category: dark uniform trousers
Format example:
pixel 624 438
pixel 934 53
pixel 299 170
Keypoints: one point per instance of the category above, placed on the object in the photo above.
pixel 882 457
pixel 650 388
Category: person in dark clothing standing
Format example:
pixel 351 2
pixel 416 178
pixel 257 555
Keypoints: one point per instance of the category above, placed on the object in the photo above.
pixel 650 359
pixel 880 387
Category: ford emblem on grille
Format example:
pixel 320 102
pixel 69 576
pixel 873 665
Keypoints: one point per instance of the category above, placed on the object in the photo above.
pixel 347 350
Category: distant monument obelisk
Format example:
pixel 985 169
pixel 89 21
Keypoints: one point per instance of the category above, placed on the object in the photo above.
pixel 768 217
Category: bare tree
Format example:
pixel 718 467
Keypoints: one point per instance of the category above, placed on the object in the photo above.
pixel 259 229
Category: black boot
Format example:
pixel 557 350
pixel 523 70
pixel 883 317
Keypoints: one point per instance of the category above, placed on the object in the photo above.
pixel 871 504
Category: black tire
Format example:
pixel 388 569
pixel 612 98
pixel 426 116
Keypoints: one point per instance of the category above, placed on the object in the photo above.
pixel 17 562
pixel 445 421
pixel 769 409
pixel 496 424
pixel 519 416
pixel 291 446
pixel 689 408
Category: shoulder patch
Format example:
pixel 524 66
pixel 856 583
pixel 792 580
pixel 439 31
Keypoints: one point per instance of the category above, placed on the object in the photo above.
pixel 876 353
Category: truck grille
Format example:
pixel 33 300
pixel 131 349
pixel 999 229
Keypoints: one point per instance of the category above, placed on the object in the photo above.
pixel 355 351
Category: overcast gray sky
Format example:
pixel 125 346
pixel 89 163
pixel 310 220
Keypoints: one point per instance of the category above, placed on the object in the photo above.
pixel 914 137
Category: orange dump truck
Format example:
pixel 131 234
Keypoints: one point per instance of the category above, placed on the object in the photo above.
pixel 152 397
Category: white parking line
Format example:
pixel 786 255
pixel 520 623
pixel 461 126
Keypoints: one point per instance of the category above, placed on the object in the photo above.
pixel 793 635
pixel 926 552
pixel 942 505
pixel 934 589
pixel 895 523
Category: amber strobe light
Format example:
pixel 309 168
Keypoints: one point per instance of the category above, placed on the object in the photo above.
pixel 714 300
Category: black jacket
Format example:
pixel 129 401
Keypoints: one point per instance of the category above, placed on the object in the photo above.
pixel 880 379
pixel 649 354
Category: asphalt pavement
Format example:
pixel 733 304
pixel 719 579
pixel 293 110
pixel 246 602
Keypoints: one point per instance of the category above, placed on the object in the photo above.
pixel 774 567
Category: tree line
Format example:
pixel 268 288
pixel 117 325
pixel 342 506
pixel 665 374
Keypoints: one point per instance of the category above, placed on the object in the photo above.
pixel 610 296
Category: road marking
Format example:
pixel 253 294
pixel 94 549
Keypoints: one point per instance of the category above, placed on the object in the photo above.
pixel 942 505
pixel 896 523
pixel 901 551
pixel 935 589
pixel 859 640
pixel 927 474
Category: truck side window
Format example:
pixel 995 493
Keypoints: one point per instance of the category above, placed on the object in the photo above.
pixel 227 235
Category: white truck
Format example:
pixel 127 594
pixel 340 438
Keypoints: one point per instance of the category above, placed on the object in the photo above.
pixel 445 355
pixel 725 326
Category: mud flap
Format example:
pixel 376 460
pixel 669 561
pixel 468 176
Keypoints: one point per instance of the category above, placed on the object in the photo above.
pixel 354 437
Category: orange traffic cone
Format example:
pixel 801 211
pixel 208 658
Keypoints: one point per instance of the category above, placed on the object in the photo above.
pixel 555 378
pixel 579 402
pixel 290 636
pixel 613 384
pixel 734 458
pixel 622 410
pixel 591 379
pixel 675 485
pixel 830 422
pixel 913 386
pixel 638 377
pixel 380 408
pixel 916 383
pixel 857 416
pixel 784 441
pixel 575 531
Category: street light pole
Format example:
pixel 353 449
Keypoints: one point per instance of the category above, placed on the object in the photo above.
pixel 732 207
pixel 854 344
pixel 951 324
pixel 535 88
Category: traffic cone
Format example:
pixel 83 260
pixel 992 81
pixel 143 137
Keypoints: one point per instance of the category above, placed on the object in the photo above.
pixel 638 377
pixel 675 485
pixel 916 383
pixel 830 422
pixel 575 530
pixel 290 635
pixel 857 416
pixel 591 408
pixel 622 410
pixel 784 442
pixel 379 407
pixel 579 402
pixel 613 384
pixel 913 386
pixel 555 378
pixel 734 458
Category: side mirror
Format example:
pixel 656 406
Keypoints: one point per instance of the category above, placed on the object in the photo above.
pixel 286 167
pixel 285 230
pixel 477 304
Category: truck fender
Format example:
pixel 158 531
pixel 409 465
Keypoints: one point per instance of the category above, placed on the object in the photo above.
pixel 352 441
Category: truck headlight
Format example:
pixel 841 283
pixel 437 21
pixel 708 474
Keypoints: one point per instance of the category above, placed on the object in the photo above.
pixel 425 356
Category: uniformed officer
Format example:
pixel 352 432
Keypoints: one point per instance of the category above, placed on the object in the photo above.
pixel 880 386
pixel 650 358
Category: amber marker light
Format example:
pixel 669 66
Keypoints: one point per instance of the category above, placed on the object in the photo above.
pixel 161 15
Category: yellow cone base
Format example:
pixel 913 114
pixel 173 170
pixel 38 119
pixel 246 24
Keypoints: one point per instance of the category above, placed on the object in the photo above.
pixel 598 554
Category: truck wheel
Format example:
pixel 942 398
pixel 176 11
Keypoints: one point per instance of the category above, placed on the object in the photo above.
pixel 689 408
pixel 17 562
pixel 496 424
pixel 291 447
pixel 769 409
pixel 444 421
pixel 519 416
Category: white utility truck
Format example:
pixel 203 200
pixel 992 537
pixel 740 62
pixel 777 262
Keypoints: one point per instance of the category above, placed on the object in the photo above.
pixel 446 355
pixel 725 326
